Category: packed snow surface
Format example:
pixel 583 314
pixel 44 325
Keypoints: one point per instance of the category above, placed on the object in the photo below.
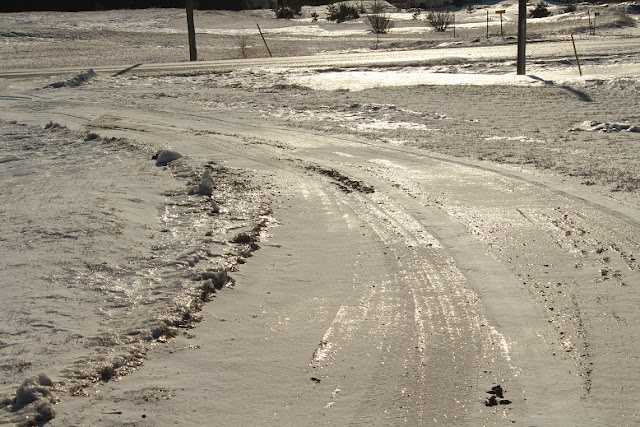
pixel 446 223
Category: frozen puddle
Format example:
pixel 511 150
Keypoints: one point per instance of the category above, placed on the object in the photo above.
pixel 361 80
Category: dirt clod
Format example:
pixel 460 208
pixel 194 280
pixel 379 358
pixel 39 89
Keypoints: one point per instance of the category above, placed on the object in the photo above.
pixel 497 391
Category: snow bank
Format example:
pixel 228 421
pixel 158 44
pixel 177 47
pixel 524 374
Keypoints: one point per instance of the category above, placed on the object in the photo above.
pixel 361 80
pixel 76 80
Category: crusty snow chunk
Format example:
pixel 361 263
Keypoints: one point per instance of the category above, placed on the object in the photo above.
pixel 206 184
pixel 32 389
pixel 167 156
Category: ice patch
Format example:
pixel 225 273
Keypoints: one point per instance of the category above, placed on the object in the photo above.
pixel 384 125
pixel 339 153
pixel 387 163
pixel 512 138
pixel 361 80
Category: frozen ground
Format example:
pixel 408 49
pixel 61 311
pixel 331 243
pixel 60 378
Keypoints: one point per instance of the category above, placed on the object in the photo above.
pixel 429 224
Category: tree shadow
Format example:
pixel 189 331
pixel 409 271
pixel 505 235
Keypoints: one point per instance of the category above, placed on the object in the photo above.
pixel 578 93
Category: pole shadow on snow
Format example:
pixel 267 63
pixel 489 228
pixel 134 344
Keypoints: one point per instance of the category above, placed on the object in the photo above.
pixel 581 95
pixel 121 72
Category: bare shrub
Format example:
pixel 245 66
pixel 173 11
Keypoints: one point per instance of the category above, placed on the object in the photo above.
pixel 379 24
pixel 439 20
pixel 242 40
pixel 377 7
pixel 622 19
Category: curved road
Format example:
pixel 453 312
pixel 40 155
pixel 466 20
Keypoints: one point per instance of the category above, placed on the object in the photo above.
pixel 400 286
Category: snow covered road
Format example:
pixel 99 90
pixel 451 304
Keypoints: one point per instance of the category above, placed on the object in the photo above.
pixel 395 253
pixel 400 285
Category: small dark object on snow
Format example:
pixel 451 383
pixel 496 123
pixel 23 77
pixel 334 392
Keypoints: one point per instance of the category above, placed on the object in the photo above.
pixel 315 379
pixel 490 401
pixel 242 238
pixel 497 390
pixel 505 402
pixel 91 136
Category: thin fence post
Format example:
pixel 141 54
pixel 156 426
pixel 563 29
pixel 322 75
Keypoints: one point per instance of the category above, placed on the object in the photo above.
pixel 487 24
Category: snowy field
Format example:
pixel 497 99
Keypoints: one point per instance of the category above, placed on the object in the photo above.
pixel 110 254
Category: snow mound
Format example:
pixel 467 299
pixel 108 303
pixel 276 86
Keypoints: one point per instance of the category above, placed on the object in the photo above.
pixel 214 279
pixel 32 389
pixel 593 126
pixel 76 80
pixel 33 402
pixel 167 156
pixel 205 187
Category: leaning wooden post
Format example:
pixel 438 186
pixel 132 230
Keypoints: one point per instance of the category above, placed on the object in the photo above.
pixel 193 54
pixel 576 53
pixel 264 40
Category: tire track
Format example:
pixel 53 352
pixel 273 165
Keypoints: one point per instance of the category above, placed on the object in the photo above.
pixel 431 335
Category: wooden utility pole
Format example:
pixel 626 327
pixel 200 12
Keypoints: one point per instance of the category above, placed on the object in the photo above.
pixel 264 40
pixel 575 51
pixel 522 35
pixel 193 54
